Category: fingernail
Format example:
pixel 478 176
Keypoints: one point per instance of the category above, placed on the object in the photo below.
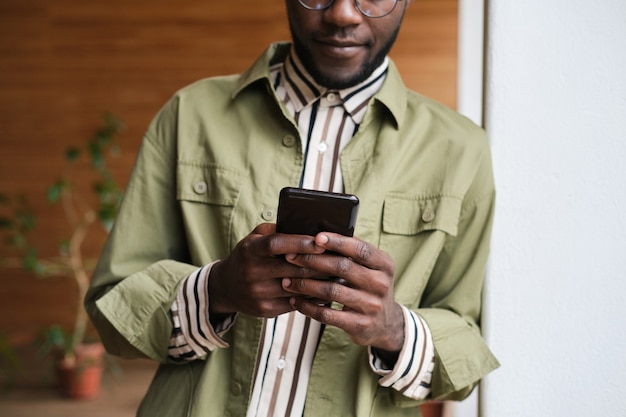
pixel 286 282
pixel 322 239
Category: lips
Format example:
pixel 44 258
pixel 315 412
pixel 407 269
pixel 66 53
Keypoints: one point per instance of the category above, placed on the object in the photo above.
pixel 339 42
pixel 339 48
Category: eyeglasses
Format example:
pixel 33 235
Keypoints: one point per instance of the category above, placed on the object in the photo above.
pixel 369 8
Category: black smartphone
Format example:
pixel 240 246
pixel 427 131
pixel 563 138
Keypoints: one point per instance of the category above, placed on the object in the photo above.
pixel 308 212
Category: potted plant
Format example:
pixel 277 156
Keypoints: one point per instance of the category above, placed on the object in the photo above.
pixel 9 364
pixel 76 358
pixel 432 409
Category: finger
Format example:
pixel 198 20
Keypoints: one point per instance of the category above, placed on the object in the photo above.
pixel 277 244
pixel 360 251
pixel 346 320
pixel 266 307
pixel 264 229
pixel 267 289
pixel 276 268
pixel 329 291
pixel 342 267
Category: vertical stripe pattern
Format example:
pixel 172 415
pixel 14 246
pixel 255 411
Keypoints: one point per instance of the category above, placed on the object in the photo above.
pixel 327 120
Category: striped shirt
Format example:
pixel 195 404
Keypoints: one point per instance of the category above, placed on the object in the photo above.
pixel 327 120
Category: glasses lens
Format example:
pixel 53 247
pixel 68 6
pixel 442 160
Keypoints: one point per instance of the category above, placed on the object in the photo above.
pixel 370 8
pixel 315 4
pixel 376 8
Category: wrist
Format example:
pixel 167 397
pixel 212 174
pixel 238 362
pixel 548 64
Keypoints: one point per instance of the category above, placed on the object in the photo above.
pixel 388 351
pixel 218 307
pixel 394 335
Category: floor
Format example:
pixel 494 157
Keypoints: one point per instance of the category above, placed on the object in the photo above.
pixel 119 397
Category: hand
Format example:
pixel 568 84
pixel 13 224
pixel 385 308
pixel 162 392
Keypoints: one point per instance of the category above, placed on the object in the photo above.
pixel 249 279
pixel 370 315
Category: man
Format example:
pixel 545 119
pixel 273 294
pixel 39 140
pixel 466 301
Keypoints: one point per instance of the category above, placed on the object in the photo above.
pixel 195 277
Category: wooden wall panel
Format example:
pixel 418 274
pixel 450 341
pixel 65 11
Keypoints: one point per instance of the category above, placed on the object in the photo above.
pixel 64 62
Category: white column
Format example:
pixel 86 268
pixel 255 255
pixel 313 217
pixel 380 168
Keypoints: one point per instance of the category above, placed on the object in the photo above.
pixel 556 115
pixel 470 59
pixel 470 74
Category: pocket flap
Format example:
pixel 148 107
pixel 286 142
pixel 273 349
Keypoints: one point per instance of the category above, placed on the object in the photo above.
pixel 405 214
pixel 208 183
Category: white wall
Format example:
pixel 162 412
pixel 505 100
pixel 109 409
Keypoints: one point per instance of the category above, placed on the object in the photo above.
pixel 556 295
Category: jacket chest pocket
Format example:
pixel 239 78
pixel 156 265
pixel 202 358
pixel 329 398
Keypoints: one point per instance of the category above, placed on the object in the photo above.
pixel 414 230
pixel 207 195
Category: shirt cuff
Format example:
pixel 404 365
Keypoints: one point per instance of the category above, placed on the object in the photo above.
pixel 412 372
pixel 193 336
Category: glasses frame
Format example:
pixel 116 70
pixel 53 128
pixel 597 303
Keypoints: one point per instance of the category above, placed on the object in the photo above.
pixel 356 5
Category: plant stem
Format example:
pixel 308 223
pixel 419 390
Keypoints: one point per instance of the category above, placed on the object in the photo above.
pixel 78 268
pixel 51 267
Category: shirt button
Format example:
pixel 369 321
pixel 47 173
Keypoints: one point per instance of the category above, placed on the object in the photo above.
pixel 200 187
pixel 331 97
pixel 428 216
pixel 322 147
pixel 281 364
pixel 236 388
pixel 289 141
pixel 268 214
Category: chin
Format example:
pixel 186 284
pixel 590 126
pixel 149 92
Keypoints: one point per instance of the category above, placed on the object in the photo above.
pixel 338 79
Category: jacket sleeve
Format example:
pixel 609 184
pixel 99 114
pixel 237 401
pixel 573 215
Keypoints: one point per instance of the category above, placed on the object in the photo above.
pixel 146 256
pixel 452 301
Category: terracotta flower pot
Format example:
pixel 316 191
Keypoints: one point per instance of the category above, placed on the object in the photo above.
pixel 432 409
pixel 79 375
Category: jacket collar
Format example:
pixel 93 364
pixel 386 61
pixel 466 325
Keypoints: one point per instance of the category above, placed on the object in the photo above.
pixel 392 95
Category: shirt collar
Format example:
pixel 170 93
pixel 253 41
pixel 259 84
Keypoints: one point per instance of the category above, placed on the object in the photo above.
pixel 303 91
pixel 393 95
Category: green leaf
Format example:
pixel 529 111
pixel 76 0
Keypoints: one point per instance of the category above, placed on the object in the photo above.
pixel 54 338
pixel 25 220
pixel 113 124
pixel 64 247
pixel 7 353
pixel 19 241
pixel 98 187
pixel 72 154
pixel 55 191
pixel 107 224
pixel 6 223
pixel 103 137
pixel 107 212
pixel 31 262
pixel 95 151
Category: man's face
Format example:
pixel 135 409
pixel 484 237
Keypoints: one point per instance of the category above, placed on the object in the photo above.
pixel 339 46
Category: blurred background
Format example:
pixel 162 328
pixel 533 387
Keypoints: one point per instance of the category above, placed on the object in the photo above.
pixel 67 63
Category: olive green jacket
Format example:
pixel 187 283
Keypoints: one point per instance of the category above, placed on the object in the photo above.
pixel 210 169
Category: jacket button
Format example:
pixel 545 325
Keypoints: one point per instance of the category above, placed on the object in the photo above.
pixel 236 388
pixel 200 187
pixel 268 214
pixel 289 141
pixel 428 216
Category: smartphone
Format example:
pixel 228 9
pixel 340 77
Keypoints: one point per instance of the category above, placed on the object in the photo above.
pixel 308 212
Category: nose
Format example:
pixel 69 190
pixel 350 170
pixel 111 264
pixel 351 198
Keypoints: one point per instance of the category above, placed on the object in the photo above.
pixel 343 13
